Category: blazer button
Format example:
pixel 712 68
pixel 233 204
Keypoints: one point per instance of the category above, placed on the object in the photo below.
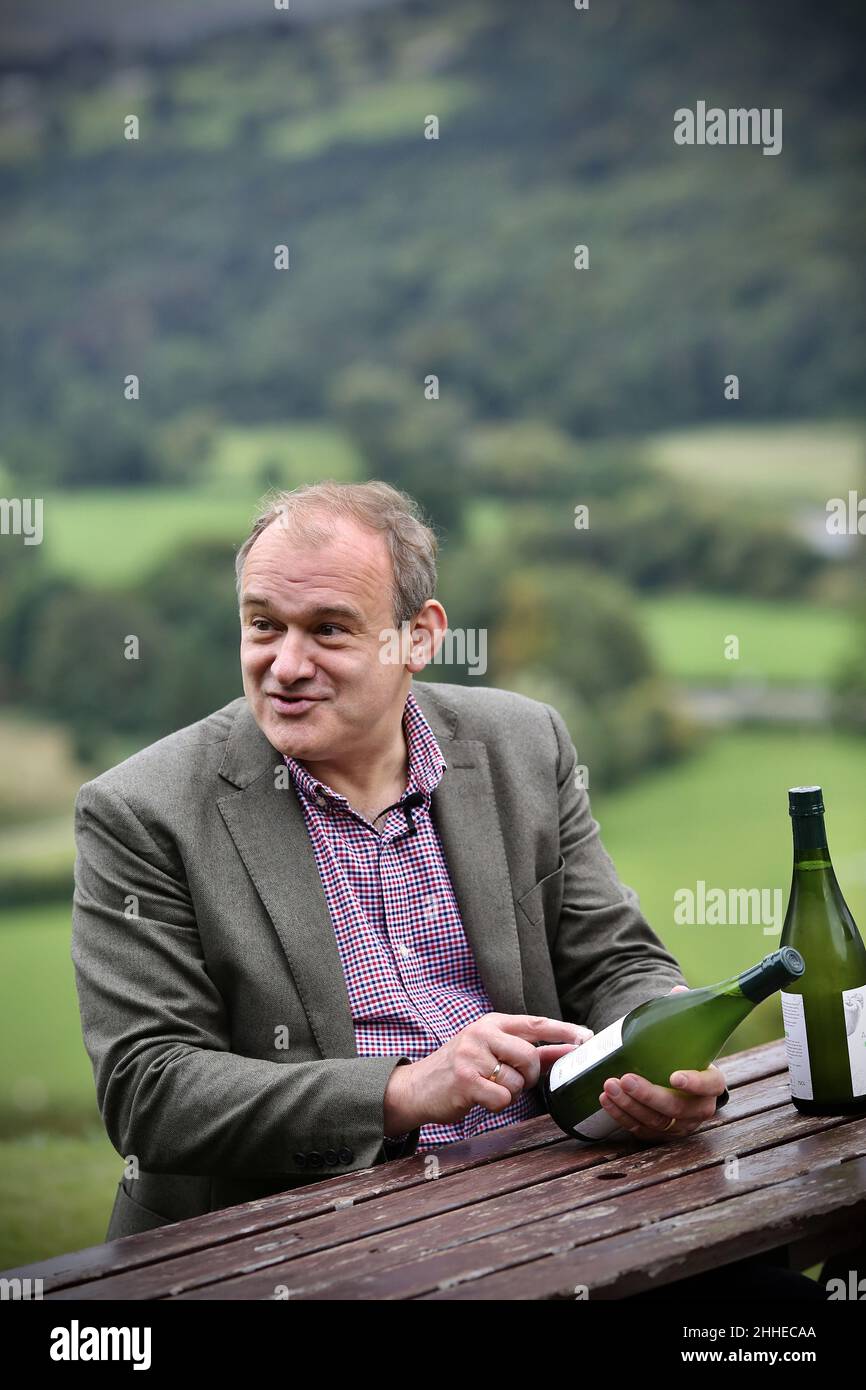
pixel 300 1160
pixel 331 1159
pixel 314 1158
pixel 345 1156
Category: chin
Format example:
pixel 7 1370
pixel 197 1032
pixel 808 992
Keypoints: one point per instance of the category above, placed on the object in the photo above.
pixel 292 747
pixel 293 736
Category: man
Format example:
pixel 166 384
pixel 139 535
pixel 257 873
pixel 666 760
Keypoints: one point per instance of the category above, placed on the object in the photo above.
pixel 348 913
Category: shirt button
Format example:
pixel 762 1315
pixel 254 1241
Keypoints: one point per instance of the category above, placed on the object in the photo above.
pixel 404 949
pixel 321 801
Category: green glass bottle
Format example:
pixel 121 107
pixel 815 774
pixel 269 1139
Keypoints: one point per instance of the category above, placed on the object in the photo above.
pixel 686 1030
pixel 824 1012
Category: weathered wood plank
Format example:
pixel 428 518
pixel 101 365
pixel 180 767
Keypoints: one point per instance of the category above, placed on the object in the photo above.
pixel 742 1071
pixel 459 1207
pixel 766 1093
pixel 754 1063
pixel 826 1200
pixel 280 1209
pixel 524 1227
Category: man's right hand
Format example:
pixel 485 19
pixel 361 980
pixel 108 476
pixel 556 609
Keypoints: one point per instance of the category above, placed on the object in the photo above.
pixel 442 1088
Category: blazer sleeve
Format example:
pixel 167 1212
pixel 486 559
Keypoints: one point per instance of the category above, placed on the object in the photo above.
pixel 170 1090
pixel 607 959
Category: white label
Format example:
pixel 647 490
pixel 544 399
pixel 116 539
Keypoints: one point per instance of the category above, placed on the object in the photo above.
pixel 854 1004
pixel 597 1126
pixel 585 1055
pixel 797 1045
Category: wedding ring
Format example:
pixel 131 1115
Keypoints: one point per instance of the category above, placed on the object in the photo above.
pixel 670 1124
pixel 496 1070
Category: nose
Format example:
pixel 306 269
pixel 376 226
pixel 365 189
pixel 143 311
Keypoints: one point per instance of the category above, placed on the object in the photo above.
pixel 292 662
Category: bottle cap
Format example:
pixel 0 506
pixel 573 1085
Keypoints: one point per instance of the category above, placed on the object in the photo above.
pixel 791 961
pixel 805 801
pixel 774 972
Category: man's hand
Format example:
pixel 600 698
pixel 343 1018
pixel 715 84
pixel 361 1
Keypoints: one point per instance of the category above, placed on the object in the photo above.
pixel 444 1086
pixel 646 1110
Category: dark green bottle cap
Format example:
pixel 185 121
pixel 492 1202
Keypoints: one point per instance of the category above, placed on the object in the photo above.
pixel 774 972
pixel 805 801
pixel 791 961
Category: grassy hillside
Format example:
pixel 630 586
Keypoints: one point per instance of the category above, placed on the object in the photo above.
pixel 115 534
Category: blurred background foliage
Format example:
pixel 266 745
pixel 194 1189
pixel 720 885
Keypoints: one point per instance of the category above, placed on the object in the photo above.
pixel 558 389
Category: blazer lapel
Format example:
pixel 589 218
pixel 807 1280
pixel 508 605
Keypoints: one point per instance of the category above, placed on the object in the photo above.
pixel 267 826
pixel 465 813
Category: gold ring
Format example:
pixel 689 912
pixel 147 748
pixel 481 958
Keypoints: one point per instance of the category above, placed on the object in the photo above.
pixel 496 1070
pixel 670 1124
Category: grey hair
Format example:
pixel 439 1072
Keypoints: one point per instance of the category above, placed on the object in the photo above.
pixel 375 505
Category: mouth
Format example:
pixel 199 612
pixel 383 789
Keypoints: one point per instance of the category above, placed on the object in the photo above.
pixel 292 705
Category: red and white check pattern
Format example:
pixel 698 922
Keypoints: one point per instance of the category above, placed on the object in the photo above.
pixel 410 974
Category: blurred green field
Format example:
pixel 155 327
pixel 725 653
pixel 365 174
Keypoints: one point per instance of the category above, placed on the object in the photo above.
pixel 373 113
pixel 368 114
pixel 36 861
pixel 721 817
pixel 56 1194
pixel 47 1071
pixel 58 1170
pixel 248 457
pixel 112 535
pixel 38 774
pixel 787 643
pixel 776 465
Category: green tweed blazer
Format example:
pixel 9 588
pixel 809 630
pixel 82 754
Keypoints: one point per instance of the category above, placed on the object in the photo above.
pixel 212 998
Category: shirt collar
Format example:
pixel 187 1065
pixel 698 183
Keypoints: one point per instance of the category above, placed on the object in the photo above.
pixel 426 763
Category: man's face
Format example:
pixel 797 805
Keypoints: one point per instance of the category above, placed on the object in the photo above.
pixel 312 636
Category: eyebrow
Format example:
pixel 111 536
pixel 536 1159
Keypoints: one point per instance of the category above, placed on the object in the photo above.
pixel 322 611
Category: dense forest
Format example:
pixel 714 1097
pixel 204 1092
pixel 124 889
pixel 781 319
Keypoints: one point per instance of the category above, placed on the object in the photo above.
pixel 451 256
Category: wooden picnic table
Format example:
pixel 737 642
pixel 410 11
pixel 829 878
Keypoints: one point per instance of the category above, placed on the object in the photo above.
pixel 518 1213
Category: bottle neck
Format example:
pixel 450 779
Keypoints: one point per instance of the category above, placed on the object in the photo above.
pixel 810 842
pixel 774 972
pixel 817 903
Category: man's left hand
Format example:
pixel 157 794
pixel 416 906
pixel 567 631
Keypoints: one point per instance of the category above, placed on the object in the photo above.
pixel 646 1110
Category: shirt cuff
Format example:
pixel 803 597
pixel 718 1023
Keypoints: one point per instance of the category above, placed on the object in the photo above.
pixel 402 1145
